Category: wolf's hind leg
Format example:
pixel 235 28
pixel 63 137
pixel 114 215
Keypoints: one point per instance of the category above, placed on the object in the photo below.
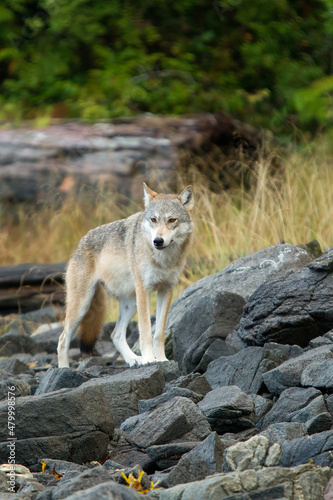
pixel 78 304
pixel 127 309
pixel 164 297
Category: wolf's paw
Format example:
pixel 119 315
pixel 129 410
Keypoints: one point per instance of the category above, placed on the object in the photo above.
pixel 161 359
pixel 134 361
pixel 148 359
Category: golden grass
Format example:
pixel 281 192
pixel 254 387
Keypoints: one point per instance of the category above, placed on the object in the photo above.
pixel 293 206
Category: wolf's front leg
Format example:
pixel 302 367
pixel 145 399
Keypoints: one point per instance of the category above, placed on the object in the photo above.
pixel 127 309
pixel 164 297
pixel 143 307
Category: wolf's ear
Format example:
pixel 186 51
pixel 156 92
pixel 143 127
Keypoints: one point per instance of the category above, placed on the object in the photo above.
pixel 187 198
pixel 148 194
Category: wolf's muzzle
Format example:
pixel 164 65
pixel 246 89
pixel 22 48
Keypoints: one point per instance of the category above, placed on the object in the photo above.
pixel 158 242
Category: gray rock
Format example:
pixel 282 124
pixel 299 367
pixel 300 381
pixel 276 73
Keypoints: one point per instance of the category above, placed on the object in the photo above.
pixel 124 390
pixel 217 349
pixel 150 404
pixel 290 310
pixel 193 381
pixel 203 460
pixel 62 466
pixel 84 480
pixel 316 448
pixel 176 420
pixel 197 320
pixel 15 367
pixel 261 406
pixel 72 425
pixel 289 373
pixel 228 409
pixel 294 405
pixel 168 455
pixel 284 431
pixel 320 341
pixel 318 374
pixel 107 491
pixel 319 423
pixel 58 378
pixel 14 342
pixel 128 454
pixel 255 452
pixel 22 388
pixel 246 368
pixel 307 480
pixel 324 262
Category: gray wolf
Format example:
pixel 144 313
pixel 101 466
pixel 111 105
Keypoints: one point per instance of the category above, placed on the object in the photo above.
pixel 129 259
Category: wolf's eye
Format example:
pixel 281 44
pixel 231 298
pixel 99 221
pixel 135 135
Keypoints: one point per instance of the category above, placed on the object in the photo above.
pixel 172 220
pixel 153 219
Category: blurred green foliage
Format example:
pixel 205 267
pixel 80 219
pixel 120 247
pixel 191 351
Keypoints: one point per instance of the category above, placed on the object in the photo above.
pixel 268 63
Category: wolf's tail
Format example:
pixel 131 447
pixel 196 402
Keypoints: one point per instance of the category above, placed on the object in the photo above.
pixel 91 325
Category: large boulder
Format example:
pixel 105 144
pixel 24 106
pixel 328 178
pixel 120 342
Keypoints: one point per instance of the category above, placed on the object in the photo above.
pixel 289 309
pixel 256 451
pixel 315 448
pixel 203 460
pixel 124 390
pixel 308 481
pixel 73 425
pixel 212 307
pixel 228 409
pixel 177 420
pixel 295 405
pixel 246 369
pixel 289 373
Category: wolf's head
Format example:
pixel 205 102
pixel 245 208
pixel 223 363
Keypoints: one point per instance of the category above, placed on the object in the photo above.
pixel 167 220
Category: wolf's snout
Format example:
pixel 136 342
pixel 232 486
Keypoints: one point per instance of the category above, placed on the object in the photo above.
pixel 158 242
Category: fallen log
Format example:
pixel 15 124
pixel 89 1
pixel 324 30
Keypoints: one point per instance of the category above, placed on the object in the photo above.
pixel 27 287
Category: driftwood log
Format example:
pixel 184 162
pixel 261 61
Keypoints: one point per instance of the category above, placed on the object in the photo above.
pixel 37 163
pixel 27 287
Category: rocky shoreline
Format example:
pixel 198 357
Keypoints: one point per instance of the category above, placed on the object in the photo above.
pixel 243 409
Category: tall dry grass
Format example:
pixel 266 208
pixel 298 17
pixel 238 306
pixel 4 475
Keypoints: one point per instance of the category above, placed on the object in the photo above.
pixel 294 206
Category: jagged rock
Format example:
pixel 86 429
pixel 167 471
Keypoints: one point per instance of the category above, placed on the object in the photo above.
pixel 58 378
pixel 316 448
pixel 284 431
pixel 22 388
pixel 150 404
pixel 228 409
pixel 246 368
pixel 295 405
pixel 108 491
pixel 290 310
pixel 193 381
pixel 289 373
pixel 168 455
pixel 70 424
pixel 124 390
pixel 320 422
pixel 318 374
pixel 272 483
pixel 14 342
pixel 203 460
pixel 261 406
pixel 217 349
pixel 197 320
pixel 15 367
pixel 78 482
pixel 231 438
pixel 176 420
pixel 255 452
